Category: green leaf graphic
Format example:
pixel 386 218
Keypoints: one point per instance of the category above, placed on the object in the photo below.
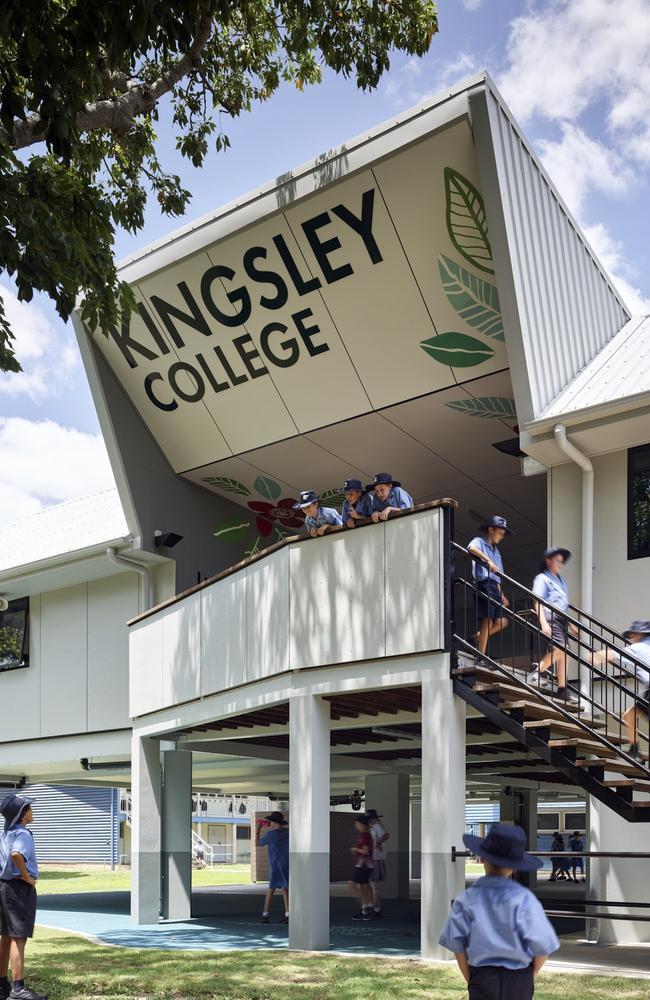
pixel 466 220
pixel 489 407
pixel 332 496
pixel 474 299
pixel 457 350
pixel 267 488
pixel 227 485
pixel 232 531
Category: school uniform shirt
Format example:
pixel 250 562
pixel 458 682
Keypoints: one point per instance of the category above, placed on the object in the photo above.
pixel 364 860
pixel 641 651
pixel 396 498
pixel 377 832
pixel 277 842
pixel 21 841
pixel 553 589
pixel 480 571
pixel 363 507
pixel 325 515
pixel 498 922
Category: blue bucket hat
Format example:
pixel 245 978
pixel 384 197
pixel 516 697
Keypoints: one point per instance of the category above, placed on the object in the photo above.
pixel 639 626
pixel 553 550
pixel 12 807
pixel 496 521
pixel 307 497
pixel 382 479
pixel 503 847
pixel 353 484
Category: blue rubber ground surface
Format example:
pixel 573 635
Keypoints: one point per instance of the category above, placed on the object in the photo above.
pixel 225 922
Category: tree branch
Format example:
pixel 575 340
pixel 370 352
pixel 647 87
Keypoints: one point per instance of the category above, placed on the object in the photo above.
pixel 116 114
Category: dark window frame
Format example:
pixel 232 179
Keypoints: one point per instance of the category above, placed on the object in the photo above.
pixel 20 604
pixel 632 548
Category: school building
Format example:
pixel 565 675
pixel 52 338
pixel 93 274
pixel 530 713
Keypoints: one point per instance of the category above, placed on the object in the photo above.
pixel 417 300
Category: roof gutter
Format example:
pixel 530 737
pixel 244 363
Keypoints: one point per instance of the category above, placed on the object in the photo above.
pixel 143 570
pixel 587 541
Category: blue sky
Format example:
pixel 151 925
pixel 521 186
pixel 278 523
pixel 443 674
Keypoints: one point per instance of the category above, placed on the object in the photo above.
pixel 575 73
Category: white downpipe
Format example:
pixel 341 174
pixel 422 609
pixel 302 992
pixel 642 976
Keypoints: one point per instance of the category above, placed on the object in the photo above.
pixel 141 568
pixel 587 534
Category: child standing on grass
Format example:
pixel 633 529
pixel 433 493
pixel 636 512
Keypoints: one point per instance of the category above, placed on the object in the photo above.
pixel 498 930
pixel 18 875
pixel 363 868
pixel 277 840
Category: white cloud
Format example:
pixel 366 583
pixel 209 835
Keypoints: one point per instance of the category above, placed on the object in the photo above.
pixel 405 90
pixel 610 252
pixel 47 355
pixel 578 164
pixel 42 463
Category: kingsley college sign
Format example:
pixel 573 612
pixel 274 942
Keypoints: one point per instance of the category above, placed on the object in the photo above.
pixel 287 315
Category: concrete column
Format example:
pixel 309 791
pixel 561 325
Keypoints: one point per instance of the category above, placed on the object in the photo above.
pixel 389 795
pixel 443 802
pixel 617 878
pixel 146 795
pixel 416 840
pixel 177 835
pixel 519 805
pixel 309 825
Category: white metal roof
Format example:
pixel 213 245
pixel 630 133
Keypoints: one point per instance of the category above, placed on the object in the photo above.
pixel 64 529
pixel 619 372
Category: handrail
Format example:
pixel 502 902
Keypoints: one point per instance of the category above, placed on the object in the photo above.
pixel 583 660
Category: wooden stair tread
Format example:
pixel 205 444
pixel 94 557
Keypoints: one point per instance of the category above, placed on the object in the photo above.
pixel 609 765
pixel 511 691
pixel 636 784
pixel 641 805
pixel 569 727
pixel 584 744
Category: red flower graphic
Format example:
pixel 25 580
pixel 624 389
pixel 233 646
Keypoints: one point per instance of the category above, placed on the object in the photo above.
pixel 267 514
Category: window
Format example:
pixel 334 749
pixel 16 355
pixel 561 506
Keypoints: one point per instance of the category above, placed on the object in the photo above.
pixel 14 635
pixel 548 821
pixel 243 832
pixel 575 821
pixel 638 502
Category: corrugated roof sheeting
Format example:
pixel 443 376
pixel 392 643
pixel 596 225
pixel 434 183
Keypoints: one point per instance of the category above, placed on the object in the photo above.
pixel 78 825
pixel 620 370
pixel 568 307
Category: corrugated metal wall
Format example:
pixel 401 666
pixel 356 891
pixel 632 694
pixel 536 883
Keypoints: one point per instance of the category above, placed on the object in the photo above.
pixel 75 824
pixel 568 308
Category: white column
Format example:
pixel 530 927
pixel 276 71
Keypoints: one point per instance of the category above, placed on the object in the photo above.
pixel 146 795
pixel 618 878
pixel 309 822
pixel 177 835
pixel 443 802
pixel 389 795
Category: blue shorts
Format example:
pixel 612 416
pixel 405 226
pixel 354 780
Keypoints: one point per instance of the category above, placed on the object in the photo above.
pixel 279 876
pixel 488 600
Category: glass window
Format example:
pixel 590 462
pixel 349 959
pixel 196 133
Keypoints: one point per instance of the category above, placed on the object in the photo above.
pixel 243 833
pixel 548 821
pixel 638 502
pixel 14 635
pixel 575 821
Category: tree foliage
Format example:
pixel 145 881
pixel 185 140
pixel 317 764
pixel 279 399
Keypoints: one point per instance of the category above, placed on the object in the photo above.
pixel 81 83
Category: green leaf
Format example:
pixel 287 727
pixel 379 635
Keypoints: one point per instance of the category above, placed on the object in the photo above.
pixel 332 496
pixel 466 220
pixel 489 407
pixel 267 488
pixel 232 531
pixel 457 350
pixel 474 299
pixel 227 485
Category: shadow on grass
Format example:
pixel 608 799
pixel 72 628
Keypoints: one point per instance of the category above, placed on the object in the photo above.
pixel 57 876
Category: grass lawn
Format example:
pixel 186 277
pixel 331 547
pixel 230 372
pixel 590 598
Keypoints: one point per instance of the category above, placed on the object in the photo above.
pixel 59 880
pixel 66 966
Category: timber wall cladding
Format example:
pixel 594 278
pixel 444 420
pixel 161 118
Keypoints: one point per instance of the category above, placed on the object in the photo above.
pixel 342 836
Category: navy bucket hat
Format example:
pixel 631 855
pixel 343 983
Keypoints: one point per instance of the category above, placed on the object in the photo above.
pixel 307 497
pixel 503 847
pixel 382 479
pixel 551 551
pixel 12 807
pixel 496 521
pixel 276 817
pixel 639 626
pixel 353 484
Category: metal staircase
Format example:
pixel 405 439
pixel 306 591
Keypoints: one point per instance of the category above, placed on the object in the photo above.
pixel 584 741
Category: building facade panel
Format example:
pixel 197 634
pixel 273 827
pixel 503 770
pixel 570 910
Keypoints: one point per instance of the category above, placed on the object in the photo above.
pixel 181 651
pixel 267 616
pixel 64 660
pixel 110 604
pixel 223 634
pixel 414 613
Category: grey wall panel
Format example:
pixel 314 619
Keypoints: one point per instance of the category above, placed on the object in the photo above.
pixel 111 602
pixel 414 585
pixel 223 634
pixel 338 611
pixel 557 300
pixel 181 651
pixel 145 666
pixel 64 661
pixel 267 616
pixel 23 687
